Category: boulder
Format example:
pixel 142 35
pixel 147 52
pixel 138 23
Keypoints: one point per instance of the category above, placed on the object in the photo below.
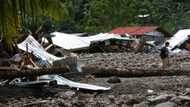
pixel 161 98
pixel 166 104
pixel 114 80
pixel 66 95
pixel 142 104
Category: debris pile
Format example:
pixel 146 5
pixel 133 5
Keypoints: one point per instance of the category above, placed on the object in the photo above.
pixel 30 73
pixel 42 72
pixel 132 92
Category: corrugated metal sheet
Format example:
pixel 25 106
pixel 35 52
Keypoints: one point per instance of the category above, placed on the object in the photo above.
pixel 180 37
pixel 72 42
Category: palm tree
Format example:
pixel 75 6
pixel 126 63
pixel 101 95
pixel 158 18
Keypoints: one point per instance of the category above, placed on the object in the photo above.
pixel 17 15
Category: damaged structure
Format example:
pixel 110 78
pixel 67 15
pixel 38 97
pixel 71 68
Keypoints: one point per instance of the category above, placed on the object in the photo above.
pixel 180 40
pixel 46 66
pixel 91 43
pixel 102 42
pixel 56 66
pixel 149 33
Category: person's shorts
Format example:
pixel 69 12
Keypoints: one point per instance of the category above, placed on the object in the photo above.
pixel 165 61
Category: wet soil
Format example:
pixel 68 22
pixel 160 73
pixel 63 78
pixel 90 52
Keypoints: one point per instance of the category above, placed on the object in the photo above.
pixel 130 92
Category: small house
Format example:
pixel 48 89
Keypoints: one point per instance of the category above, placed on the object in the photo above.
pixel 149 33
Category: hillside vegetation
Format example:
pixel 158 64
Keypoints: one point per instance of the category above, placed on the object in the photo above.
pixel 92 16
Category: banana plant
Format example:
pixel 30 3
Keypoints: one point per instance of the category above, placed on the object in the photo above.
pixel 21 16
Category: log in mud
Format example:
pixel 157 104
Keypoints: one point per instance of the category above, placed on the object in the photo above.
pixel 135 72
pixel 9 73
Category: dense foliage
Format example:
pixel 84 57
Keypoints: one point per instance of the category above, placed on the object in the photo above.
pixel 26 16
pixel 92 16
pixel 104 15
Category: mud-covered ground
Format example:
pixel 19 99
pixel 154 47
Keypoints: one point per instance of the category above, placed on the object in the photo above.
pixel 165 91
pixel 134 60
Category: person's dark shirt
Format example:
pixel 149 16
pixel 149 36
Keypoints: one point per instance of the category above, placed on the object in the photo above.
pixel 164 52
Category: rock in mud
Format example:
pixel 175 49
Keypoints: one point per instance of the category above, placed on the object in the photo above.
pixel 161 98
pixel 114 80
pixel 142 104
pixel 66 95
pixel 2 105
pixel 166 104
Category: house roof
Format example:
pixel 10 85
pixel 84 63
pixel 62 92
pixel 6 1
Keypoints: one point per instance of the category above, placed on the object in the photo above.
pixel 139 30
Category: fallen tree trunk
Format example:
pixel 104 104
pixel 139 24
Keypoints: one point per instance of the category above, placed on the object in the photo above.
pixel 9 73
pixel 134 72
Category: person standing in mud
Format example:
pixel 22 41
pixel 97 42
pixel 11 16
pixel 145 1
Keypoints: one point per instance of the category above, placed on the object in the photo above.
pixel 164 55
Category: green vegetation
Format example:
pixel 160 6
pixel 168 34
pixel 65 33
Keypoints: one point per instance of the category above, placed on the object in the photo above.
pixel 93 16
pixel 24 16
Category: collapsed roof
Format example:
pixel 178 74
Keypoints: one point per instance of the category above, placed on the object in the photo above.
pixel 179 38
pixel 73 42
pixel 35 48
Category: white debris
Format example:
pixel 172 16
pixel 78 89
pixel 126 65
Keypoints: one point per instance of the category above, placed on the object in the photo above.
pixel 46 59
pixel 35 48
pixel 150 91
pixel 178 38
pixel 63 81
pixel 73 42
